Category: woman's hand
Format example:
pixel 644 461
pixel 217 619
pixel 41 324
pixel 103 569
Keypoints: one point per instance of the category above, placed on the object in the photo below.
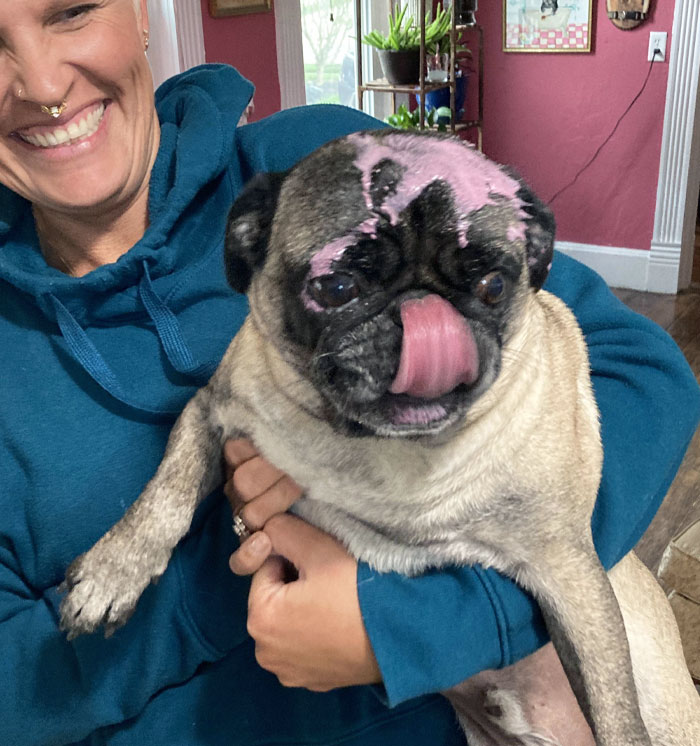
pixel 308 632
pixel 256 491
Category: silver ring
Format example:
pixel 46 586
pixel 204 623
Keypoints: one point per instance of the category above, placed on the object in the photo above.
pixel 240 529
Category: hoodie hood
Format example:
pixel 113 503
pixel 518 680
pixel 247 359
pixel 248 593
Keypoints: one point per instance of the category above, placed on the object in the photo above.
pixel 198 113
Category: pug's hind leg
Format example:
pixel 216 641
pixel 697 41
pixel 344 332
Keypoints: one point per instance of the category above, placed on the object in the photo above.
pixel 103 585
pixel 669 702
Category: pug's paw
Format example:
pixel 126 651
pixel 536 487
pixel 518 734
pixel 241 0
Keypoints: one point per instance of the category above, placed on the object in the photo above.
pixel 103 587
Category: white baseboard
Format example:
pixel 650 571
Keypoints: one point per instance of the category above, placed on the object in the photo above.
pixel 620 268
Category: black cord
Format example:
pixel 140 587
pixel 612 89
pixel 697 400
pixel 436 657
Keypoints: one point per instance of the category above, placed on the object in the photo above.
pixel 609 137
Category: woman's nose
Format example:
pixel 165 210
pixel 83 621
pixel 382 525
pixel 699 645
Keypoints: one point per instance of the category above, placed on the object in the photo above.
pixel 39 74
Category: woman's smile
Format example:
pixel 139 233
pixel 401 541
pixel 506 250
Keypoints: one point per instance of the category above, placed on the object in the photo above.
pixel 75 129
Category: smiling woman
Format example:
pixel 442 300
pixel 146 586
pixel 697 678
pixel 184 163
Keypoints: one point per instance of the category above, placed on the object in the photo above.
pixel 84 64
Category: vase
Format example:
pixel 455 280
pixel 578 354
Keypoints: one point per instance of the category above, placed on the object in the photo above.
pixel 400 67
pixel 441 97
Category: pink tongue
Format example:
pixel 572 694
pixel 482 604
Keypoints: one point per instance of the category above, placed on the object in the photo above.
pixel 438 351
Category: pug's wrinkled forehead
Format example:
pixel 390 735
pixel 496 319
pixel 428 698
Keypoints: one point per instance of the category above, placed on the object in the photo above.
pixel 475 182
pixel 396 170
pixel 426 198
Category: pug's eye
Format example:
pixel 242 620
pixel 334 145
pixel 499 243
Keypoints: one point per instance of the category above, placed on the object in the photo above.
pixel 491 288
pixel 335 290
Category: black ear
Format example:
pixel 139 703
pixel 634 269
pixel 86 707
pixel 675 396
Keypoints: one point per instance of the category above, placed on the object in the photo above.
pixel 248 229
pixel 539 235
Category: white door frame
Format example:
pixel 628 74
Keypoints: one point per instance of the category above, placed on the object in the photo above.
pixel 190 33
pixel 290 55
pixel 671 255
pixel 177 37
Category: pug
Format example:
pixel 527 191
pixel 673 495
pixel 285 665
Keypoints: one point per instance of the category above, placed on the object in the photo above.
pixel 549 6
pixel 402 363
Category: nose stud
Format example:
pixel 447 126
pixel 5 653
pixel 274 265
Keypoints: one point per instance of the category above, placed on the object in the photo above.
pixel 55 111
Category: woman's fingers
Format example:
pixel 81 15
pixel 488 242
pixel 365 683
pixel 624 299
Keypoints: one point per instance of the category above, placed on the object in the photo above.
pixel 236 452
pixel 278 498
pixel 251 555
pixel 257 491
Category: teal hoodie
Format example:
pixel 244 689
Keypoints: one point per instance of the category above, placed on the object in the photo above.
pixel 93 372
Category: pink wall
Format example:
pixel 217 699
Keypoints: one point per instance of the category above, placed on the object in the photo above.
pixel 248 43
pixel 546 114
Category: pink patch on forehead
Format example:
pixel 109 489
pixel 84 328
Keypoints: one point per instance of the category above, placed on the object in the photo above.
pixel 321 262
pixel 474 180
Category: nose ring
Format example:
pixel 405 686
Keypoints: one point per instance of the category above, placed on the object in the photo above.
pixel 56 110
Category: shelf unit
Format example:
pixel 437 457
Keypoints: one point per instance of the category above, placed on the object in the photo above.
pixel 381 85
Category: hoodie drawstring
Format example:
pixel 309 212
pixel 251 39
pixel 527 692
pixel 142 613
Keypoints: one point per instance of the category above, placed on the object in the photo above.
pixel 170 336
pixel 170 333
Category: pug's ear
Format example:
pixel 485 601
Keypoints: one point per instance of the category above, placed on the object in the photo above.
pixel 248 229
pixel 539 234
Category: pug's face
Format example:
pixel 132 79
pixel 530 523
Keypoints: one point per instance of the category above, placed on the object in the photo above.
pixel 390 268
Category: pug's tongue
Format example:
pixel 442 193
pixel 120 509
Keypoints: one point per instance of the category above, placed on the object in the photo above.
pixel 438 351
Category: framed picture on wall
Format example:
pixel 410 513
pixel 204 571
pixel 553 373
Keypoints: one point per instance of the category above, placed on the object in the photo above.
pixel 219 8
pixel 547 25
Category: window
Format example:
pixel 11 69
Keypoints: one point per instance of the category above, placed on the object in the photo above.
pixel 328 38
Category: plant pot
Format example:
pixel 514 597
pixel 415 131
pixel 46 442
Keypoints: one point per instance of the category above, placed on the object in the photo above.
pixel 400 67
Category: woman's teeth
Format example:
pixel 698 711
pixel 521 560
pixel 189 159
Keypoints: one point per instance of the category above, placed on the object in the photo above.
pixel 74 132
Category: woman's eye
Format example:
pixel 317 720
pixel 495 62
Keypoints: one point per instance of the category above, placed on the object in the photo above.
pixel 74 12
pixel 333 291
pixel 491 288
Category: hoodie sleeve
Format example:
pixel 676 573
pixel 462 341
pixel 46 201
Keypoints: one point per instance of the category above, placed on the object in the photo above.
pixel 431 632
pixel 57 692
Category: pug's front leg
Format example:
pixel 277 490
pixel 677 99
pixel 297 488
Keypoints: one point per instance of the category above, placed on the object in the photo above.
pixel 103 585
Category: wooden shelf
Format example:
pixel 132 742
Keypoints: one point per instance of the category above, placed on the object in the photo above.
pixel 381 85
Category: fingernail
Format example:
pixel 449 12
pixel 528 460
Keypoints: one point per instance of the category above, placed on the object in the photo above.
pixel 257 543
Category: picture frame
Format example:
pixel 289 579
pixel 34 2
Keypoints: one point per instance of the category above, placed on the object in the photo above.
pixel 220 8
pixel 547 25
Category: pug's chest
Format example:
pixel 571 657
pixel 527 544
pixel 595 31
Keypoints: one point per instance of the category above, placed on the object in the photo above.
pixel 395 507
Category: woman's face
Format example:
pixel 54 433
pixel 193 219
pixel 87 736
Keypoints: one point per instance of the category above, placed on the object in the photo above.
pixel 98 153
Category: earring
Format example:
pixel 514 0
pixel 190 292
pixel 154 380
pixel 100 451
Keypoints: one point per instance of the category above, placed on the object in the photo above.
pixel 145 39
pixel 19 94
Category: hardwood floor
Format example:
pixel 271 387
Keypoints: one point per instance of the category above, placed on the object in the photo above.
pixel 680 316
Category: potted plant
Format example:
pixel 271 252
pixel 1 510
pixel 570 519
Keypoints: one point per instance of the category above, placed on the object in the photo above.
pixel 399 50
pixel 404 119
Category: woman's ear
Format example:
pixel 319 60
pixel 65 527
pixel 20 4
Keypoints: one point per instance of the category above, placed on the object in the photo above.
pixel 248 229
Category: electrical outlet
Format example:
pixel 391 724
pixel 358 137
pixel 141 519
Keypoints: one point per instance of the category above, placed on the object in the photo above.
pixel 657 40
